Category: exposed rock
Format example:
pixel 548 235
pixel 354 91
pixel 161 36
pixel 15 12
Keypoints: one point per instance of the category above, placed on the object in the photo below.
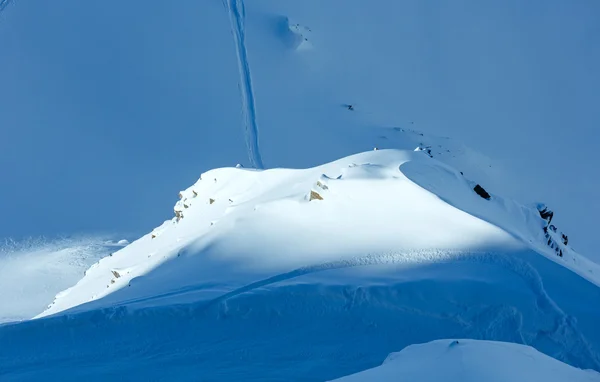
pixel 545 212
pixel 315 195
pixel 179 215
pixel 427 150
pixel 116 274
pixel 195 193
pixel 321 185
pixel 481 192
pixel 211 201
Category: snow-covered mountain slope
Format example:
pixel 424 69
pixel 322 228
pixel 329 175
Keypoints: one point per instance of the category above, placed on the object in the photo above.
pixel 471 361
pixel 315 274
pixel 33 271
pixel 309 274
pixel 253 224
pixel 198 85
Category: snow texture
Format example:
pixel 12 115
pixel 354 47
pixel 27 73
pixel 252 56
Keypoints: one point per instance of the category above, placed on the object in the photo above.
pixel 33 271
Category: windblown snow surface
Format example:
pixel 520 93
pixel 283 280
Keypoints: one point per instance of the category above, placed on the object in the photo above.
pixel 310 275
pixel 34 270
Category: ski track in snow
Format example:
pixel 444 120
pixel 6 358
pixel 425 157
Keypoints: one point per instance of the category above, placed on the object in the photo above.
pixel 236 11
pixel 4 4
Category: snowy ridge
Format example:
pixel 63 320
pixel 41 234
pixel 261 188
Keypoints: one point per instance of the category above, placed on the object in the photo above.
pixel 469 360
pixel 225 199
pixel 272 246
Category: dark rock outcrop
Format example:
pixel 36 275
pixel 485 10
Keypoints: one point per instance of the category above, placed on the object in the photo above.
pixel 482 192
pixel 545 213
pixel 550 230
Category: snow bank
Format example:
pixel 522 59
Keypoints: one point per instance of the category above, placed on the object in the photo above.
pixel 470 360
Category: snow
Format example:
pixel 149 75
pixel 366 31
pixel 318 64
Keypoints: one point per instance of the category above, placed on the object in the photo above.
pixel 33 271
pixel 306 261
pixel 466 71
pixel 315 324
pixel 237 15
pixel 393 200
pixel 277 228
pixel 427 258
pixel 469 360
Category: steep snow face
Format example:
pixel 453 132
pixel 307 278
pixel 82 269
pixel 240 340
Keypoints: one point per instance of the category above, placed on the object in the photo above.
pixel 471 361
pixel 33 271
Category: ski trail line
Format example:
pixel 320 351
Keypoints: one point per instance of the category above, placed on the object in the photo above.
pixel 4 4
pixel 236 11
